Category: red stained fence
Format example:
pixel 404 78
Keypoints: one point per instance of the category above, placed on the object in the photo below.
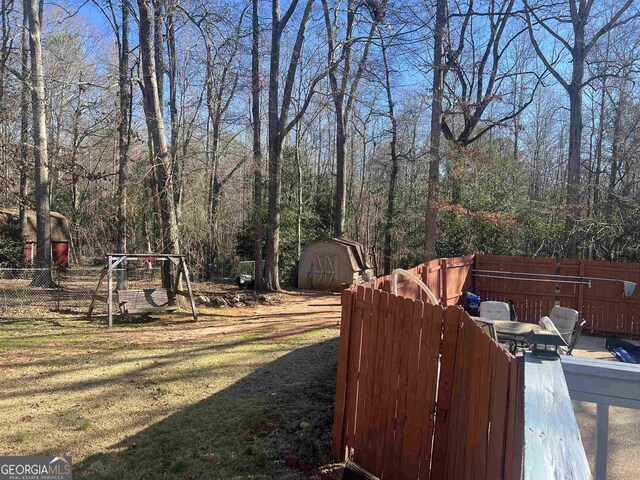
pixel 422 392
pixel 604 306
pixel 447 278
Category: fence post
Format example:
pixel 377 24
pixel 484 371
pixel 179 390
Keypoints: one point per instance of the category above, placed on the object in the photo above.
pixel 109 291
pixel 443 282
pixel 581 288
pixel 474 266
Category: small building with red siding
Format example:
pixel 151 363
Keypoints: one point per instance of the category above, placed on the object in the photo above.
pixel 60 235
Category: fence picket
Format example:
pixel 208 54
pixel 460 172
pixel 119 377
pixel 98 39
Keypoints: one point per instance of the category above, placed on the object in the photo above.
pixel 365 321
pixel 410 456
pixel 376 426
pixel 497 412
pixel 341 376
pixel 392 386
pixel 451 326
pixel 429 367
pixel 385 394
pixel 408 363
pixel 355 343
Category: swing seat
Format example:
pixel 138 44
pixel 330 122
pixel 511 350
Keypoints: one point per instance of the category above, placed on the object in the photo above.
pixel 150 300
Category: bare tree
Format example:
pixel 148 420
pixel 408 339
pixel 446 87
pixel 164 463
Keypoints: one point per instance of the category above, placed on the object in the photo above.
pixel 155 125
pixel 279 124
pixel 431 215
pixel 257 148
pixel 24 124
pixel 393 175
pixel 6 46
pixel 221 86
pixel 344 86
pixel 550 20
pixel 39 111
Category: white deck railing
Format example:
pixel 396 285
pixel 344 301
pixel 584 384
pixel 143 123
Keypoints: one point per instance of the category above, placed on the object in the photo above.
pixel 552 445
pixel 605 383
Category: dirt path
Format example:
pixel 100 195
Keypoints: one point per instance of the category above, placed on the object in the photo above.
pixel 244 393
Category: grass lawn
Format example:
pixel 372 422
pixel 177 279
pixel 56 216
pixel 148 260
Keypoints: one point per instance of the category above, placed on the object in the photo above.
pixel 244 393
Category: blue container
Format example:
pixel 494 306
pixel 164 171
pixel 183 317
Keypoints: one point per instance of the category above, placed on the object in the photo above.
pixel 473 304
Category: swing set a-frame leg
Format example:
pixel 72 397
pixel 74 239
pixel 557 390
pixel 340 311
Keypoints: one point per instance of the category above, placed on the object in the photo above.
pixel 185 275
pixel 95 294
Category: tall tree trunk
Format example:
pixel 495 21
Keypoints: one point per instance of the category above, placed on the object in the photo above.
pixel 433 196
pixel 340 206
pixel 343 97
pixel 388 230
pixel 298 196
pixel 257 149
pixel 213 107
pixel 573 171
pixel 24 125
pixel 616 146
pixel 214 195
pixel 272 276
pixel 155 124
pixel 278 123
pixel 75 177
pixel 124 90
pixel 598 150
pixel 177 162
pixel 38 99
pixel 158 44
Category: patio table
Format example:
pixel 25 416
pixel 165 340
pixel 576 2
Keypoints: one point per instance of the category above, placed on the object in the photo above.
pixel 508 328
pixel 512 333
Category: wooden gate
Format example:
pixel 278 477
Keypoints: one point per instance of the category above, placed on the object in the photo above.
pixel 423 393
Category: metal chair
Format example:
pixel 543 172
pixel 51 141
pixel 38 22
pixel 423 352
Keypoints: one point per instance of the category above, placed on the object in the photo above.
pixel 487 327
pixel 565 322
pixel 575 336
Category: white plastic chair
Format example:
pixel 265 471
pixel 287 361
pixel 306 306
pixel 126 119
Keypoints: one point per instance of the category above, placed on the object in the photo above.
pixel 495 310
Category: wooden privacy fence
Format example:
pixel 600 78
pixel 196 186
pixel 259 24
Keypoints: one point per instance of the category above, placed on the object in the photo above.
pixel 604 306
pixel 423 393
pixel 447 278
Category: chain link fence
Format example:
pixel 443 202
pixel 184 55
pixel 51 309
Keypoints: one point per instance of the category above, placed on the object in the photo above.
pixel 28 292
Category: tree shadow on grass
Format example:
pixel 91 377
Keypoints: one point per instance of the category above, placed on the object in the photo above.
pixel 274 423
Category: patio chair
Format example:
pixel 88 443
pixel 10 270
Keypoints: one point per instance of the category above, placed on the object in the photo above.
pixel 487 327
pixel 495 310
pixel 547 324
pixel 575 336
pixel 565 320
pixel 567 323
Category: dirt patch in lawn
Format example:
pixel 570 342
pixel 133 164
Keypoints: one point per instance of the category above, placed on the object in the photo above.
pixel 244 393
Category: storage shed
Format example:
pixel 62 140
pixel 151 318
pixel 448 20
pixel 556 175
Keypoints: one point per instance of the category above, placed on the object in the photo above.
pixel 60 235
pixel 330 264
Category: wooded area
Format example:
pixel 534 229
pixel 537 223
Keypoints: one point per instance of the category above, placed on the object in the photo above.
pixel 242 130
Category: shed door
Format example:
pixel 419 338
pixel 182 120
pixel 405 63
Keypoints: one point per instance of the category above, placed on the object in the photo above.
pixel 323 272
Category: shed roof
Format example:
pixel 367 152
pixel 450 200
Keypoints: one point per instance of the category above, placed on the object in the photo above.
pixel 59 224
